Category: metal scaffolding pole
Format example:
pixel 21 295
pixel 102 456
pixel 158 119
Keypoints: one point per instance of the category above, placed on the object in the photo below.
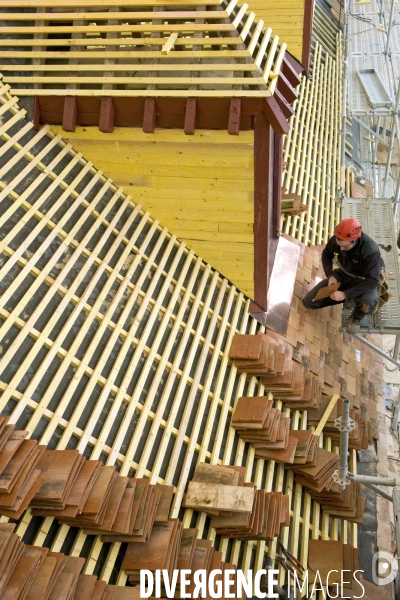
pixel 374 133
pixel 389 28
pixel 392 138
pixel 376 349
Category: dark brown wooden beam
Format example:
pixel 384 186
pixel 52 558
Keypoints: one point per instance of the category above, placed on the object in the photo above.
pixel 36 114
pixel 285 107
pixel 190 116
pixel 275 116
pixel 276 217
pixel 295 64
pixel 263 198
pixel 307 33
pixel 149 115
pixel 106 120
pixel 235 114
pixel 290 72
pixel 286 89
pixel 70 113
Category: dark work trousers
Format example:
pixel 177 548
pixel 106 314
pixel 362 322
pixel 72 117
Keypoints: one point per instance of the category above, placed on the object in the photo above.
pixel 364 304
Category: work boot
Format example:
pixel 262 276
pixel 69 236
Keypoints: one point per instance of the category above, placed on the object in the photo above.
pixel 353 326
pixel 349 303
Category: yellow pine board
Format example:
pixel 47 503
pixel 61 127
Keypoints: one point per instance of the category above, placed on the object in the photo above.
pixel 109 14
pixel 161 135
pixel 90 67
pixel 241 252
pixel 103 3
pixel 176 181
pixel 138 80
pixel 218 154
pixel 149 159
pixel 123 175
pixel 172 217
pixel 126 41
pixel 202 200
pixel 105 54
pixel 178 225
pixel 208 236
pixel 91 29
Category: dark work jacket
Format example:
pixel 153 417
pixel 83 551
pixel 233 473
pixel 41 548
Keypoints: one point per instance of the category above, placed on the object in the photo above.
pixel 363 260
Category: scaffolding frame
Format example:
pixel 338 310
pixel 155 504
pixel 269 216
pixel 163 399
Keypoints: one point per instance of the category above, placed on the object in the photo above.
pixel 375 122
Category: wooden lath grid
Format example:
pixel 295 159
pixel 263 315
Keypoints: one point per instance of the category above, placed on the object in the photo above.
pixel 312 150
pixel 127 50
pixel 115 340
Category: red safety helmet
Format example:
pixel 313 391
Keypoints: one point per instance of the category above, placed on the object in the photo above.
pixel 348 230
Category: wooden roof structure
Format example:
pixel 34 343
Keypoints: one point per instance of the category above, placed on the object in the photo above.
pixel 137 48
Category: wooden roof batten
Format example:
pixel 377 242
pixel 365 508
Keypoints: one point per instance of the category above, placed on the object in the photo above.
pixel 138 48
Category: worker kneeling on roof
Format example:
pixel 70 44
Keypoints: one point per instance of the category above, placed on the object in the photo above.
pixel 358 274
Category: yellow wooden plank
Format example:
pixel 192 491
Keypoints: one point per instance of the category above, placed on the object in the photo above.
pixel 166 135
pixel 125 28
pixel 150 170
pixel 109 14
pixel 95 3
pixel 147 67
pixel 123 54
pixel 126 41
pixel 62 80
pixel 229 93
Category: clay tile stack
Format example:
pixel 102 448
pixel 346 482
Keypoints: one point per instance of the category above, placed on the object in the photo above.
pixel 334 557
pixel 219 490
pixel 59 470
pixel 295 387
pixel 34 573
pixel 317 476
pixel 266 428
pixel 142 507
pixel 306 449
pixel 258 354
pixel 19 476
pixel 161 551
pixel 85 494
pixel 240 511
pixel 172 547
pixel 270 512
pixel 346 504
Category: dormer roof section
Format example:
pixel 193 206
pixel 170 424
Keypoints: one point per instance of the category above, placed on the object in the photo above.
pixel 137 48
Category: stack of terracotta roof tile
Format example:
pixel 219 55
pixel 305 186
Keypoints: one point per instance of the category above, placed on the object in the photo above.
pixel 239 510
pixel 85 494
pixel 295 387
pixel 270 512
pixel 143 506
pixel 306 449
pixel 172 547
pixel 346 504
pixel 260 354
pixel 35 573
pixel 334 557
pixel 161 551
pixel 266 428
pixel 20 477
pixel 229 494
pixel 317 475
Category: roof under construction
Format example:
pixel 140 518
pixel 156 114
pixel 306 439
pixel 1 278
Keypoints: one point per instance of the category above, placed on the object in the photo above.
pixel 137 49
